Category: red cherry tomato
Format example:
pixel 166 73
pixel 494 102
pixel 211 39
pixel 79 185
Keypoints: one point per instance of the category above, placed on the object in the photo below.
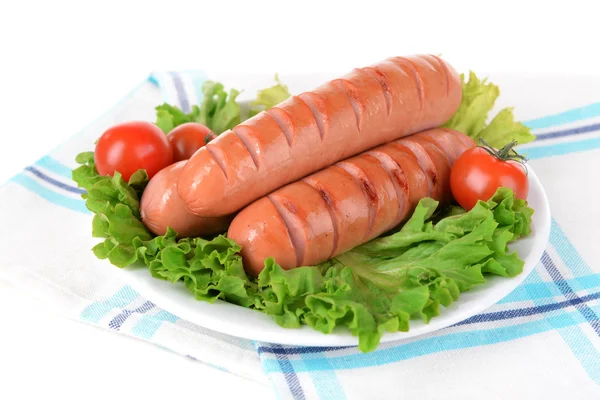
pixel 130 146
pixel 477 174
pixel 187 138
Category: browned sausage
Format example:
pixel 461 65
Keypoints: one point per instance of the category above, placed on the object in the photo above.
pixel 348 203
pixel 365 108
pixel 161 207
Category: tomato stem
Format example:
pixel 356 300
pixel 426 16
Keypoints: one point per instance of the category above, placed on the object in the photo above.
pixel 506 153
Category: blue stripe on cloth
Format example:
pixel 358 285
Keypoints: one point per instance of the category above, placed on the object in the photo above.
pixel 152 79
pixel 573 115
pixel 120 319
pixel 543 290
pixel 198 80
pixel 181 94
pixel 268 349
pixel 533 288
pixel 30 184
pixel 529 311
pixel 286 368
pixel 571 296
pixel 429 345
pixel 486 317
pixel 569 132
pixel 54 166
pixel 567 252
pixel 573 336
pixel 147 326
pixel 327 384
pixel 559 149
pixel 219 367
pixel 97 310
pixel 579 344
pixel 53 181
pixel 583 349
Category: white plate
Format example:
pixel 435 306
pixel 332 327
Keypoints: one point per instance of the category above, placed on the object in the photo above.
pixel 242 322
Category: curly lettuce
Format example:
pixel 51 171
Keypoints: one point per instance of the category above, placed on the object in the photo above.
pixel 478 99
pixel 219 110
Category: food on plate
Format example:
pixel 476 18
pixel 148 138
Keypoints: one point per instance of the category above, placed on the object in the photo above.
pixel 383 284
pixel 374 288
pixel 187 138
pixel 363 109
pixel 162 208
pixel 480 171
pixel 131 146
pixel 349 203
pixel 402 246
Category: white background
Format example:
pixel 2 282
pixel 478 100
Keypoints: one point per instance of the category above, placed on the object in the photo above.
pixel 64 63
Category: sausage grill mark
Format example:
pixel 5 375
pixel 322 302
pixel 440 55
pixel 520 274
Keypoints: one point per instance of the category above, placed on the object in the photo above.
pixel 385 86
pixel 440 143
pixel 293 234
pixel 446 73
pixel 241 133
pixel 353 101
pixel 276 114
pixel 418 152
pixel 318 116
pixel 417 77
pixel 432 172
pixel 329 204
pixel 400 177
pixel 465 141
pixel 395 173
pixel 369 190
pixel 433 177
pixel 360 178
pixel 217 155
pixel 289 206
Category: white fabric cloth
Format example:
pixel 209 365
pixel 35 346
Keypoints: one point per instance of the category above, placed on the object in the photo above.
pixel 542 341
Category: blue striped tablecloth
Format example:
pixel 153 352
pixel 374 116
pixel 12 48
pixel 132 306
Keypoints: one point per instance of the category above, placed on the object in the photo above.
pixel 541 341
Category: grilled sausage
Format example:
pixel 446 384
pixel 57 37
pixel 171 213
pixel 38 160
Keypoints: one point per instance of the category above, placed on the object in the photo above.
pixel 161 207
pixel 365 108
pixel 348 203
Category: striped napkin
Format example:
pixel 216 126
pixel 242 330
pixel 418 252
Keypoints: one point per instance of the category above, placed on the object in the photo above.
pixel 541 341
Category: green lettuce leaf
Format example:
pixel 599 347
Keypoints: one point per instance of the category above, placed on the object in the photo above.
pixel 226 114
pixel 169 116
pixel 503 129
pixel 269 97
pixel 116 207
pixel 219 109
pixel 478 99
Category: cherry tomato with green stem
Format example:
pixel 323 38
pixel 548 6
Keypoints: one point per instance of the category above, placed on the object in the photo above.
pixel 481 170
